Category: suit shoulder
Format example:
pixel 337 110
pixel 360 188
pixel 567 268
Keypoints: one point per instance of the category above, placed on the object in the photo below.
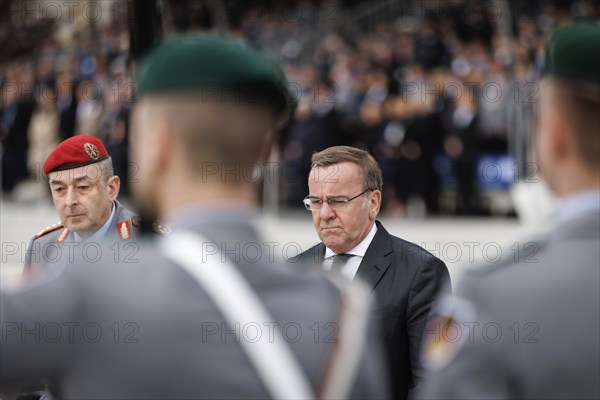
pixel 311 254
pixel 48 230
pixel 410 248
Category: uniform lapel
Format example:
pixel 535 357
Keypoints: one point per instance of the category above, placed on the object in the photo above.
pixel 121 226
pixel 121 214
pixel 113 230
pixel 377 258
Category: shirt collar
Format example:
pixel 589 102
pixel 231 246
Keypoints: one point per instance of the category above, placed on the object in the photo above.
pixel 208 212
pixel 361 248
pixel 100 233
pixel 576 205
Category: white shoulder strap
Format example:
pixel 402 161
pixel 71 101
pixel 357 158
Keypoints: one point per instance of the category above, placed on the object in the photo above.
pixel 353 321
pixel 270 355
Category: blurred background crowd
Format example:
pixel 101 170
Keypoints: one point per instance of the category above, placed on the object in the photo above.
pixel 442 93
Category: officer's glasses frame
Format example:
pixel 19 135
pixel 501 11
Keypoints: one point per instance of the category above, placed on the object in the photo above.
pixel 315 203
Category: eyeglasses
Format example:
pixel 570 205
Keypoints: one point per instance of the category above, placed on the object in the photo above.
pixel 337 202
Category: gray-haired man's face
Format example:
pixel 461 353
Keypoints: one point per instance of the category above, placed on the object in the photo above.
pixel 83 197
pixel 342 227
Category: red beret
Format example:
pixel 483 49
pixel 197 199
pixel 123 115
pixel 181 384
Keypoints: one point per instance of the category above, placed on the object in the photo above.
pixel 74 152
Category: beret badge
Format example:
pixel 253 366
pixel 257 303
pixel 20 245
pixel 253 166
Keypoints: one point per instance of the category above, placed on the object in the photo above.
pixel 91 151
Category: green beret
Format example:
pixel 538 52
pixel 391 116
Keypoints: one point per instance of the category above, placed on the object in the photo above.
pixel 212 64
pixel 573 53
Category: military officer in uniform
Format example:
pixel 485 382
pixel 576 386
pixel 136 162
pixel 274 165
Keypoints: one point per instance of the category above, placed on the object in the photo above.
pixel 531 329
pixel 84 190
pixel 206 311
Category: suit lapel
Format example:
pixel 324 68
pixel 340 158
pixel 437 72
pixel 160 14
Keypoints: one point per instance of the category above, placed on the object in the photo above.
pixel 315 254
pixel 376 260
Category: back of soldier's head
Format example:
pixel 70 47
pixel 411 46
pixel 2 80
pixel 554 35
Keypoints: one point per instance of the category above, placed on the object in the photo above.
pixel 572 69
pixel 217 97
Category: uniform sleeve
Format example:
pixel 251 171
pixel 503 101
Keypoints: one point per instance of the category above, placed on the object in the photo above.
pixel 429 280
pixel 38 325
pixel 467 364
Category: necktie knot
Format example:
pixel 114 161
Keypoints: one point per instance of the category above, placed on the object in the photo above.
pixel 339 260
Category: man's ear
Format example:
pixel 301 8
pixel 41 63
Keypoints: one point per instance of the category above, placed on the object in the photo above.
pixel 267 148
pixel 164 148
pixel 562 138
pixel 375 203
pixel 113 185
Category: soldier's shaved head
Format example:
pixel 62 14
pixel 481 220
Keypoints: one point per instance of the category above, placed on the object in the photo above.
pixel 227 134
pixel 207 108
pixel 568 136
pixel 580 104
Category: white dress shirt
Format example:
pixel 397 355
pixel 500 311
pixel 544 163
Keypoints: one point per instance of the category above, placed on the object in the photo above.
pixel 351 267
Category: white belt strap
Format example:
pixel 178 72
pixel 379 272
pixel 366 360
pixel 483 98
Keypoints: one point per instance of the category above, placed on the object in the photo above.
pixel 273 359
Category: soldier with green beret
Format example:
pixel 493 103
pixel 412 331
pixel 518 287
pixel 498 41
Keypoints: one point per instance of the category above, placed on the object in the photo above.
pixel 210 310
pixel 530 329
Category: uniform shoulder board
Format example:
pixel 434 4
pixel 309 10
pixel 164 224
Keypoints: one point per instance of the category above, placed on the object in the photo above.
pixel 48 229
pixel 161 229
pixel 136 222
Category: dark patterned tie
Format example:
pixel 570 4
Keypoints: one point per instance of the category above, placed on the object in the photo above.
pixel 339 260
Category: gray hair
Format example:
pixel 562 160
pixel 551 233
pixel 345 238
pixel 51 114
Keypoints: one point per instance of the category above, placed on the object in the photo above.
pixel 371 173
pixel 106 166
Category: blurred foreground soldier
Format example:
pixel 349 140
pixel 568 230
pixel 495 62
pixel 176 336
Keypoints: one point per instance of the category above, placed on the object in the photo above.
pixel 344 198
pixel 204 312
pixel 531 330
pixel 84 190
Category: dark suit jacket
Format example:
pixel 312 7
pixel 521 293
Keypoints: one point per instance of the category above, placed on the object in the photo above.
pixel 15 142
pixel 405 279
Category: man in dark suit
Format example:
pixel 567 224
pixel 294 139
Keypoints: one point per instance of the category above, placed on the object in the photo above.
pixel 344 197
pixel 15 115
